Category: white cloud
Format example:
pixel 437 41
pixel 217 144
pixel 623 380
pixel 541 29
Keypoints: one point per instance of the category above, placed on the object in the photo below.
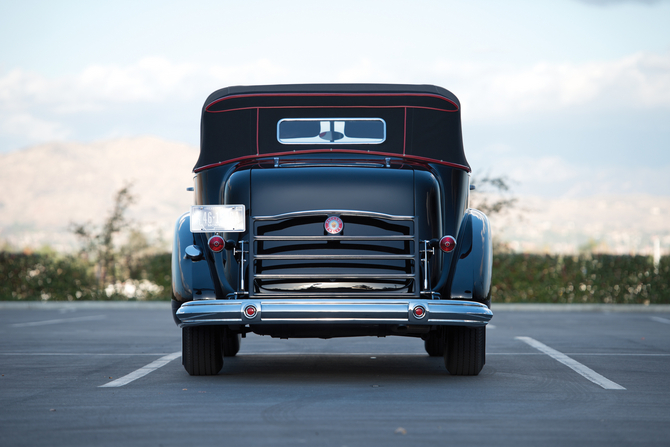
pixel 18 87
pixel 262 71
pixel 640 81
pixel 149 80
pixel 32 128
pixel 619 2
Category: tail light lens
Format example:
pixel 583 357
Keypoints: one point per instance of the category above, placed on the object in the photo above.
pixel 447 244
pixel 216 243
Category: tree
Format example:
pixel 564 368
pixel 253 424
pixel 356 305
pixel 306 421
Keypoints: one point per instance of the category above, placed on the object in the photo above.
pixel 100 244
pixel 491 195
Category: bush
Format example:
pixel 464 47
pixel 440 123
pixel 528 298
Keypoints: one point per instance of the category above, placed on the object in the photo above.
pixel 580 279
pixel 53 277
pixel 517 278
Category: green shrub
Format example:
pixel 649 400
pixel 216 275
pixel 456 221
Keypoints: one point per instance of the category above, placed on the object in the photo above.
pixel 580 279
pixel 45 277
pixel 53 277
pixel 516 278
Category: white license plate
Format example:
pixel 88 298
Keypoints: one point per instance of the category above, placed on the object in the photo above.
pixel 217 218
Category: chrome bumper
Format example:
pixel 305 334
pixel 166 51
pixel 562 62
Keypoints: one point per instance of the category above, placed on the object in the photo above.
pixel 333 311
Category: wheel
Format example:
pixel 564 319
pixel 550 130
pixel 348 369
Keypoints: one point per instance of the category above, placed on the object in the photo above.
pixel 465 352
pixel 231 344
pixel 201 352
pixel 434 344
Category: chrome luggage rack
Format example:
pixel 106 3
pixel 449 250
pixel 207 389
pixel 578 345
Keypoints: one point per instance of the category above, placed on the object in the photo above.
pixel 404 257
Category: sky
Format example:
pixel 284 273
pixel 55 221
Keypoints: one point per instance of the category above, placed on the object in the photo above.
pixel 568 98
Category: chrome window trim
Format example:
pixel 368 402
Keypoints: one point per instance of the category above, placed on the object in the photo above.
pixel 316 140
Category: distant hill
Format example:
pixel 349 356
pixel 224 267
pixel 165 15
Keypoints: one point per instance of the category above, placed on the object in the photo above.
pixel 618 224
pixel 44 188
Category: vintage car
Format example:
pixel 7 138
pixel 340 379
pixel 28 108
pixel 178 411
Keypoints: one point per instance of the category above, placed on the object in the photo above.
pixel 332 210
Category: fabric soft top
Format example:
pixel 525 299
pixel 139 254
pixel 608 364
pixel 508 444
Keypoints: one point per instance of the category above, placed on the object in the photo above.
pixel 421 120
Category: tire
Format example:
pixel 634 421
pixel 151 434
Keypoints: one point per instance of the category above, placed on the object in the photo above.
pixel 201 352
pixel 434 344
pixel 465 352
pixel 231 344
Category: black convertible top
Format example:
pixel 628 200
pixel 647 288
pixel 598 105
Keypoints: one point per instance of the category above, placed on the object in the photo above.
pixel 422 121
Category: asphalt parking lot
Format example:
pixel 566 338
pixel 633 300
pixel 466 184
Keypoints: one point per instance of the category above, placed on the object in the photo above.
pixel 94 375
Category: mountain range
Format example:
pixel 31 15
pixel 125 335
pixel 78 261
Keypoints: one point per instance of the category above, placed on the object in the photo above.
pixel 48 187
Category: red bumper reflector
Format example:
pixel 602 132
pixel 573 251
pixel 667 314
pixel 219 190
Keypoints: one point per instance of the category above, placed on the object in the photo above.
pixel 250 311
pixel 419 312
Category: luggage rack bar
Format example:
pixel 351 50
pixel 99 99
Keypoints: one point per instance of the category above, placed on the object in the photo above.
pixel 334 275
pixel 334 238
pixel 333 295
pixel 370 214
pixel 335 257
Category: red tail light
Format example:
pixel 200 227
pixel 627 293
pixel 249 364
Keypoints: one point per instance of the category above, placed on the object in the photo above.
pixel 447 244
pixel 216 243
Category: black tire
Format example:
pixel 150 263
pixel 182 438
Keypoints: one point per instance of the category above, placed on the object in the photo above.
pixel 434 344
pixel 465 352
pixel 201 351
pixel 231 344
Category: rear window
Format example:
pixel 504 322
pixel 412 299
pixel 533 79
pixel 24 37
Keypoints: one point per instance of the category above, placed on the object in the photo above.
pixel 331 131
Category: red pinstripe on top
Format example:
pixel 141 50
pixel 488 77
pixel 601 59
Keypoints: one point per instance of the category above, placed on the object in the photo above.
pixel 331 107
pixel 404 135
pixel 407 158
pixel 421 95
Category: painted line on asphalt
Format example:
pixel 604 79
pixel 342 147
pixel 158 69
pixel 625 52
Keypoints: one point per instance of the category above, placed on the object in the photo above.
pixel 143 371
pixel 660 320
pixel 343 354
pixel 59 320
pixel 583 370
pixel 423 354
pixel 87 354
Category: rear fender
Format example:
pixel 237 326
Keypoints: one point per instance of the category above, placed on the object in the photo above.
pixel 190 279
pixel 472 266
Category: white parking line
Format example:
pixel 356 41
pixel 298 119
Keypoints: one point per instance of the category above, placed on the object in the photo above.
pixel 573 364
pixel 87 354
pixel 660 320
pixel 60 320
pixel 143 371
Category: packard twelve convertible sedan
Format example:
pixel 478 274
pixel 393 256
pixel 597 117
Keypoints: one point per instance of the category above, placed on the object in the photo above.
pixel 333 210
